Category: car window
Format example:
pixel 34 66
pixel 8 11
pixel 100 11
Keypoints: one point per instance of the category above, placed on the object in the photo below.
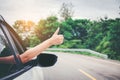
pixel 10 44
pixel 4 51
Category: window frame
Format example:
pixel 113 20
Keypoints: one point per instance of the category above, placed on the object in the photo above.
pixel 11 43
pixel 14 42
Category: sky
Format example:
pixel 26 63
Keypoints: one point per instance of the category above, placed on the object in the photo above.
pixel 35 10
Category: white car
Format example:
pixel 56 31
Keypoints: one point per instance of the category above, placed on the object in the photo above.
pixel 11 44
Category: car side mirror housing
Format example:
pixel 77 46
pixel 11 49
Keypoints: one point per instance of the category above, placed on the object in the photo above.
pixel 46 60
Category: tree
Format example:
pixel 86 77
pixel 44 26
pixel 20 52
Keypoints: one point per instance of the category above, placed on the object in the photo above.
pixel 46 27
pixel 66 11
pixel 74 32
pixel 66 29
pixel 25 29
pixel 80 28
pixel 115 39
pixel 110 38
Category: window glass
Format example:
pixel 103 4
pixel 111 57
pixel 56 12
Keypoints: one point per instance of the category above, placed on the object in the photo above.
pixel 2 45
pixel 4 49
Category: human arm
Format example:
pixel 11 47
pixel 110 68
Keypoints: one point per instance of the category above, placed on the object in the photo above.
pixel 31 53
pixel 7 60
pixel 54 40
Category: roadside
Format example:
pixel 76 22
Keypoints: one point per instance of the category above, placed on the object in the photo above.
pixel 79 51
pixel 84 52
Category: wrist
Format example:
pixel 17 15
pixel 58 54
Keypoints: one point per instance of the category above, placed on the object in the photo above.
pixel 50 42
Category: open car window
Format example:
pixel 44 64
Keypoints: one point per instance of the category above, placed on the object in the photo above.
pixel 8 47
pixel 4 51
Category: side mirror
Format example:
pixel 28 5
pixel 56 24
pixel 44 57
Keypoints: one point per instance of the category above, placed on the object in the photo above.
pixel 46 60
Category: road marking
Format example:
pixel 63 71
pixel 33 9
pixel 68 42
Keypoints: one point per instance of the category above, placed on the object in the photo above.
pixel 88 75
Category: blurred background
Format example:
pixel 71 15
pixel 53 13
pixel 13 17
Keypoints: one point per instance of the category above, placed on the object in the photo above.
pixel 85 24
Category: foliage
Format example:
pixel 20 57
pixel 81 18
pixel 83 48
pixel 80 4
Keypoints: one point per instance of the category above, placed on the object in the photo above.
pixel 34 40
pixel 73 29
pixel 46 28
pixel 111 39
pixel 66 29
pixel 24 28
pixel 71 44
pixel 102 35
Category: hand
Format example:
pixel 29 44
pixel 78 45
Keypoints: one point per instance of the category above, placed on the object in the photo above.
pixel 56 38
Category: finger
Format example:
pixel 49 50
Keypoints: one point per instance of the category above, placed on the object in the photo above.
pixel 57 31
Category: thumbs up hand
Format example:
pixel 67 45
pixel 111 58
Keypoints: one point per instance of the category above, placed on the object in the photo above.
pixel 56 39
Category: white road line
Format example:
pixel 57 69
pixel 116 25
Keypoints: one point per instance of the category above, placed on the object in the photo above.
pixel 88 75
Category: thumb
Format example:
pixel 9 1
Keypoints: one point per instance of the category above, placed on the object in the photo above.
pixel 57 31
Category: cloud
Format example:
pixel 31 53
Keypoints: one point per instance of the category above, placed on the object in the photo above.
pixel 37 9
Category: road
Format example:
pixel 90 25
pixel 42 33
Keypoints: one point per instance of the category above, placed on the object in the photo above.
pixel 80 67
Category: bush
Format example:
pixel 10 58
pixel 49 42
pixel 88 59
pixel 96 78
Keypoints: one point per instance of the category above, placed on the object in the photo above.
pixel 34 40
pixel 71 44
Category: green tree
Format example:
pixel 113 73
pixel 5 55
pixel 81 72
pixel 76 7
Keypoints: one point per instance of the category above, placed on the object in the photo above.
pixel 34 40
pixel 110 41
pixel 25 29
pixel 80 28
pixel 74 32
pixel 115 38
pixel 46 27
pixel 66 29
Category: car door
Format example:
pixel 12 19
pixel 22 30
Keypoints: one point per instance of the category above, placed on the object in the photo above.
pixel 4 51
pixel 11 44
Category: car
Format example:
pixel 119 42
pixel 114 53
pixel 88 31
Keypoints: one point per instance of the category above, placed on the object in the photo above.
pixel 11 44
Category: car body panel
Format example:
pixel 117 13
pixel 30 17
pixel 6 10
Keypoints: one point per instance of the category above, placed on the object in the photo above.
pixel 34 73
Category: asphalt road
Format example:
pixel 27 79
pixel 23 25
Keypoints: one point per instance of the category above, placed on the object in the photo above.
pixel 79 67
